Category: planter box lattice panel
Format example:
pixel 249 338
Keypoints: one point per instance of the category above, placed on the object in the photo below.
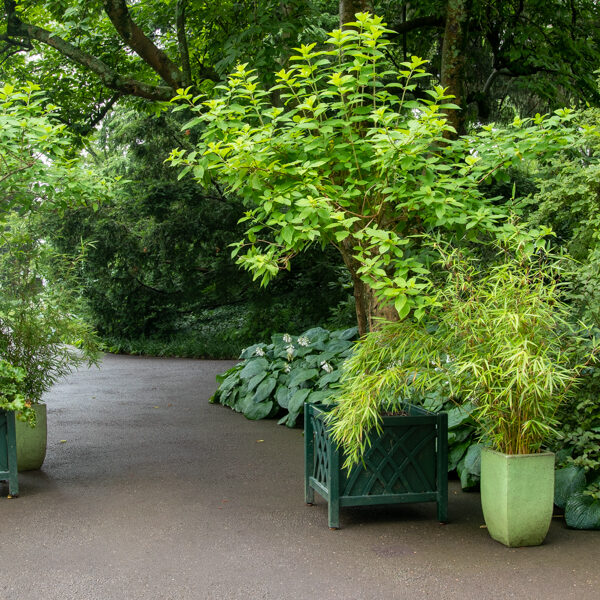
pixel 408 462
pixel 8 452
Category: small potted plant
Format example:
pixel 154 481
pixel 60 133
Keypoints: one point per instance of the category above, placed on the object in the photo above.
pixel 39 334
pixel 498 338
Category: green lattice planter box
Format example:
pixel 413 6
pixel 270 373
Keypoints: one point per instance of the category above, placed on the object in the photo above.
pixel 408 462
pixel 8 452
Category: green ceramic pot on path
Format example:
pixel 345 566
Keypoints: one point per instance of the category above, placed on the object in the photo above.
pixel 31 441
pixel 517 496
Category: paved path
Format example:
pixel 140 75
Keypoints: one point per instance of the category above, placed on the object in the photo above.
pixel 155 494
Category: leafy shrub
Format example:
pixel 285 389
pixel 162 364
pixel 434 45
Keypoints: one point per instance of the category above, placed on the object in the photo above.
pixel 284 374
pixel 11 391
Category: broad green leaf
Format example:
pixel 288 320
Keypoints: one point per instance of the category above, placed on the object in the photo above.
pixel 263 391
pixel 568 481
pixel 253 367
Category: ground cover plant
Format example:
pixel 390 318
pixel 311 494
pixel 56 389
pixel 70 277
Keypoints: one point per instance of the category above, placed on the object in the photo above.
pixel 283 375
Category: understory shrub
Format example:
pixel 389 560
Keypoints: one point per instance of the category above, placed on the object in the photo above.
pixel 577 447
pixel 279 377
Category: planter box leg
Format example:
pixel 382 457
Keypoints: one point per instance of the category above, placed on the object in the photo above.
pixel 309 454
pixel 13 477
pixel 442 467
pixel 333 508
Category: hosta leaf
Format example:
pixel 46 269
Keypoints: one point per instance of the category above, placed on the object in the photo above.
pixel 338 346
pixel 254 367
pixel 319 397
pixel 263 391
pixel 297 400
pixel 456 454
pixel 282 397
pixel 459 415
pixel 582 511
pixel 256 411
pixel 330 378
pixel 253 383
pixel 567 481
pixel 298 376
pixel 468 480
pixel 473 460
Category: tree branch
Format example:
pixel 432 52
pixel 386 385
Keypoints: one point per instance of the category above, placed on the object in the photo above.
pixel 86 128
pixel 402 27
pixel 110 78
pixel 139 42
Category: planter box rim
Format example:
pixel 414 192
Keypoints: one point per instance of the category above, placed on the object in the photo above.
pixel 513 456
pixel 423 412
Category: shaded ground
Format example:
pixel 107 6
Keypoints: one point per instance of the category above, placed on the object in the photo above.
pixel 148 492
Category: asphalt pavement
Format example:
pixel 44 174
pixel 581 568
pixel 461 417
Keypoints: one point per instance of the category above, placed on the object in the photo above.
pixel 149 492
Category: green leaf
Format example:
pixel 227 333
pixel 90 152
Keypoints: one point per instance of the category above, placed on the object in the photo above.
pixel 568 481
pixel 297 400
pixel 473 460
pixel 456 454
pixel 582 511
pixel 253 367
pixel 321 397
pixel 252 383
pixel 264 389
pixel 299 376
pixel 459 415
pixel 282 396
pixel 330 378
pixel 468 480
pixel 255 411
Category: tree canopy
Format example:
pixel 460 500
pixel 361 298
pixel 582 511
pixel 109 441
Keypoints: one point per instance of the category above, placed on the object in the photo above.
pixel 494 57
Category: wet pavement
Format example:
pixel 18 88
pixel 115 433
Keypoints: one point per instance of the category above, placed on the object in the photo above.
pixel 149 492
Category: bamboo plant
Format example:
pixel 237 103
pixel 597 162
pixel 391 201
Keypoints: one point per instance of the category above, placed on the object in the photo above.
pixel 498 338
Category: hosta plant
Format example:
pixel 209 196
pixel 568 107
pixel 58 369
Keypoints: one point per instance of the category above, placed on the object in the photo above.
pixel 279 377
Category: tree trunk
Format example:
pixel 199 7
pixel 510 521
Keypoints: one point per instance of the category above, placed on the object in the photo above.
pixel 453 59
pixel 348 8
pixel 369 309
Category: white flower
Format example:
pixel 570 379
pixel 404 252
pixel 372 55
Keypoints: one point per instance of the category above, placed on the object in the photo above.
pixel 287 338
pixel 290 351
pixel 326 367
pixel 303 341
pixel 287 368
pixel 259 352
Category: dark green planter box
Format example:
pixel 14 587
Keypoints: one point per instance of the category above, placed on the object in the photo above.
pixel 408 462
pixel 8 452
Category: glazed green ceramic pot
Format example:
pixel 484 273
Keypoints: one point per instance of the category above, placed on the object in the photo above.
pixel 31 442
pixel 517 496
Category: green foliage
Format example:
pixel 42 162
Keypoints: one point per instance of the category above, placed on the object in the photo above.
pixel 156 265
pixel 568 481
pixel 348 157
pixel 285 374
pixel 464 453
pixel 11 391
pixel 36 166
pixel 497 337
pixel 39 332
pixel 582 510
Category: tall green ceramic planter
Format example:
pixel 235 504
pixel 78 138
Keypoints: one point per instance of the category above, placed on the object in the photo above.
pixel 31 442
pixel 517 496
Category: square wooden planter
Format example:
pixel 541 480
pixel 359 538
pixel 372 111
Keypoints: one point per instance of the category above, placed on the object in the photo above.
pixel 8 452
pixel 408 462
